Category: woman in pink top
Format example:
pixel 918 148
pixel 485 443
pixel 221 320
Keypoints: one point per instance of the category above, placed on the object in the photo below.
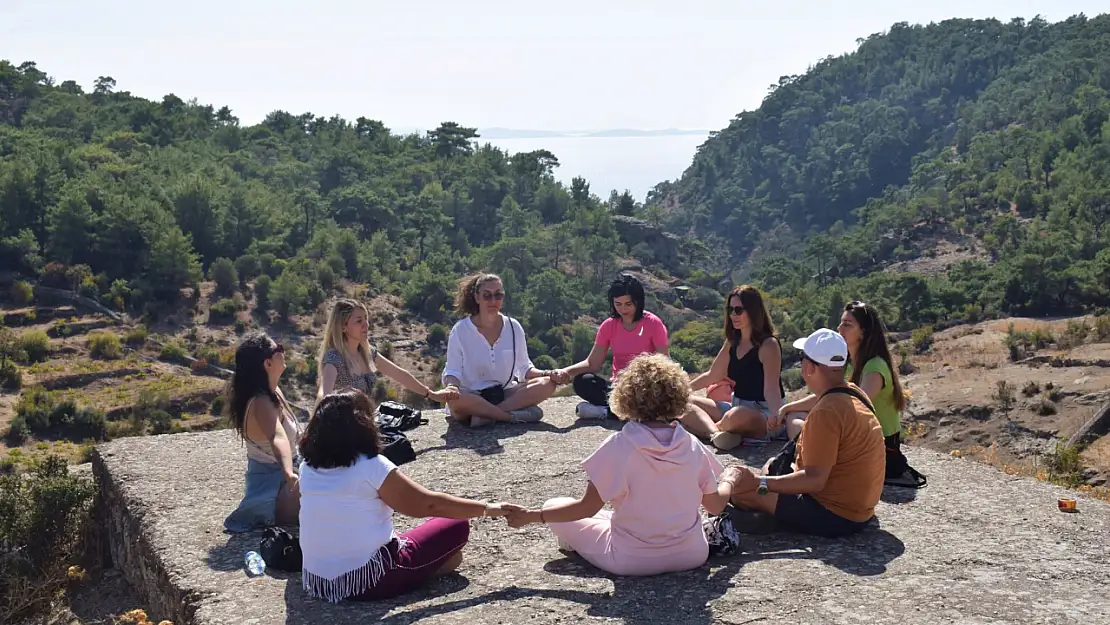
pixel 655 475
pixel 629 331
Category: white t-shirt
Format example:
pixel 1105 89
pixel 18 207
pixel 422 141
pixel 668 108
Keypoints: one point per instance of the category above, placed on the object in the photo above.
pixel 479 365
pixel 343 520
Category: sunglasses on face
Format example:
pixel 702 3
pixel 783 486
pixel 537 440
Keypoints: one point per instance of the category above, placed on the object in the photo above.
pixel 735 310
pixel 498 296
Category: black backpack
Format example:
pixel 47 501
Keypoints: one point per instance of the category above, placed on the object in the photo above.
pixel 393 420
pixel 393 415
pixel 280 550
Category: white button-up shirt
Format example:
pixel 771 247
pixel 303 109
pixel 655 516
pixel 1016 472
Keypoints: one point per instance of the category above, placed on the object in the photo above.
pixel 477 364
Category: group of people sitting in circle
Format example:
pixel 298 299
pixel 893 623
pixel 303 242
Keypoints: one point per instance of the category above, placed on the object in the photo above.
pixel 657 473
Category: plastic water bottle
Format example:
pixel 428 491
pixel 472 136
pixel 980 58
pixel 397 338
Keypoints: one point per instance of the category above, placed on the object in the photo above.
pixel 255 564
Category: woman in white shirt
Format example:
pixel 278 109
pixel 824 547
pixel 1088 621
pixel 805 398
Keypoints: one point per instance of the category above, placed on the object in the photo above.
pixel 487 360
pixel 348 494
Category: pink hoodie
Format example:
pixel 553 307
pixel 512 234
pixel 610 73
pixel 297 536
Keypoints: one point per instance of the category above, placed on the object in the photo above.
pixel 654 479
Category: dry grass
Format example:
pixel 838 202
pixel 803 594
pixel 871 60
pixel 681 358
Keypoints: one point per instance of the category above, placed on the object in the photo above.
pixel 1034 467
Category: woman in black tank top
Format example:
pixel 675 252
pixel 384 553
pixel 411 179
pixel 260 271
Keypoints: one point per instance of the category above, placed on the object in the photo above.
pixel 751 358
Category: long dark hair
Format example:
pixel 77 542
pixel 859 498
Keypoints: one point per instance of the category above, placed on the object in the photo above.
pixel 627 284
pixel 872 343
pixel 759 321
pixel 249 380
pixel 341 430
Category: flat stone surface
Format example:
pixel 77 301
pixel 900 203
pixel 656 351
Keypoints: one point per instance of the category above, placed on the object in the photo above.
pixel 975 546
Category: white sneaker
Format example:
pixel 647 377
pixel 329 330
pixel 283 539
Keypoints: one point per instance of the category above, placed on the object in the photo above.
pixel 588 411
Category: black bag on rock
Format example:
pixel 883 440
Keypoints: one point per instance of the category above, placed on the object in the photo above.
pixel 393 415
pixel 396 447
pixel 280 550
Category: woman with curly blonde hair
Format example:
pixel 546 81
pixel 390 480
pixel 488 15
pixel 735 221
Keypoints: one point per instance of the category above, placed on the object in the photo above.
pixel 655 475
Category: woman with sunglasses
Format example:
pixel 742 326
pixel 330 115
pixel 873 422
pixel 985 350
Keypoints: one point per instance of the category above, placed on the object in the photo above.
pixel 266 424
pixel 751 358
pixel 865 335
pixel 487 360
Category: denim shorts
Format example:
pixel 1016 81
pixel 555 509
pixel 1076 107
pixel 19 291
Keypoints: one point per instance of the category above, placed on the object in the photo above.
pixel 758 406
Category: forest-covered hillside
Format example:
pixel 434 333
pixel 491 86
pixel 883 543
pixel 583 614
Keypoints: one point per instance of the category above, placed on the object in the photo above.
pixel 130 201
pixel 987 135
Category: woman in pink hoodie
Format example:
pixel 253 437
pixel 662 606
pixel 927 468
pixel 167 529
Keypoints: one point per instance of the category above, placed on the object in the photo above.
pixel 655 475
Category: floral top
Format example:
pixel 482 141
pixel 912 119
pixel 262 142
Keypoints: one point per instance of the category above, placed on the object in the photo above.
pixel 345 379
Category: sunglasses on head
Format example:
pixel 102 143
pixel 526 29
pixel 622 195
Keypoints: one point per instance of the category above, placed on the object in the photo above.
pixel 278 349
pixel 735 310
pixel 497 296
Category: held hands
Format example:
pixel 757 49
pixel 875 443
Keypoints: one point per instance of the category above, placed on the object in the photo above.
pixel 522 517
pixel 559 376
pixel 776 420
pixel 444 395
pixel 501 509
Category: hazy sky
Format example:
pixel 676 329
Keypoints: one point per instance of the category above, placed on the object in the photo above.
pixel 574 64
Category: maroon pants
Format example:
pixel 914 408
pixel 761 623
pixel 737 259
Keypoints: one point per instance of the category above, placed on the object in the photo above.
pixel 427 546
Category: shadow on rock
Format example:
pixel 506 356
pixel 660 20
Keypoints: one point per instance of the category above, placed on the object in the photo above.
pixel 486 441
pixel 898 494
pixel 231 555
pixel 866 553
pixel 300 608
pixel 632 600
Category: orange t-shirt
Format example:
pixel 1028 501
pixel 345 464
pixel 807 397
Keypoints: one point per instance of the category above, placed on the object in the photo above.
pixel 840 432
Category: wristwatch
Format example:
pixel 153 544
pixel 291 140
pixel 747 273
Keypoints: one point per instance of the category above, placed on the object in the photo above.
pixel 762 490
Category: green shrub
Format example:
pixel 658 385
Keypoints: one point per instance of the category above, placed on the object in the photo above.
pixel 224 274
pixel 104 345
pixel 44 415
pixel 44 518
pixel 223 311
pixel 35 345
pixel 135 336
pixel 691 361
pixel 922 339
pixel 247 267
pixel 1031 388
pixel 22 293
pixel 262 291
pixel 11 378
pixel 386 349
pixel 545 362
pixel 1102 327
pixel 437 335
pixel 216 408
pixel 792 379
pixel 172 350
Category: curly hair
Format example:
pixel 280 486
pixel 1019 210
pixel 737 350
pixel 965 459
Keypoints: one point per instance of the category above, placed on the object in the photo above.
pixel 651 388
pixel 465 304
pixel 341 429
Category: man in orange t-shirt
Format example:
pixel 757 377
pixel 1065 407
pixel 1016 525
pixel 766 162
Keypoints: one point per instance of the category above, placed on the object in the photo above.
pixel 840 462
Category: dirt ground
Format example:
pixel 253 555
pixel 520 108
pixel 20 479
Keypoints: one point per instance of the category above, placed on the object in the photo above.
pixel 969 397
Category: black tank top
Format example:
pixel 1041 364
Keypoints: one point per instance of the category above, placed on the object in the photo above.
pixel 747 374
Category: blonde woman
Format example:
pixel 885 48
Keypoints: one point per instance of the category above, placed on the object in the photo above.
pixel 348 360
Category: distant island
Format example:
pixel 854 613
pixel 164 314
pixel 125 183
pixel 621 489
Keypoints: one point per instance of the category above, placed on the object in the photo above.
pixel 513 133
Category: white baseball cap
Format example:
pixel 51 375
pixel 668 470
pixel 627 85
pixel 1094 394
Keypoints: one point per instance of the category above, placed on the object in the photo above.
pixel 824 347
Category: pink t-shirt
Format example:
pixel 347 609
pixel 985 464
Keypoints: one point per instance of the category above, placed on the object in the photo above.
pixel 654 479
pixel 649 335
